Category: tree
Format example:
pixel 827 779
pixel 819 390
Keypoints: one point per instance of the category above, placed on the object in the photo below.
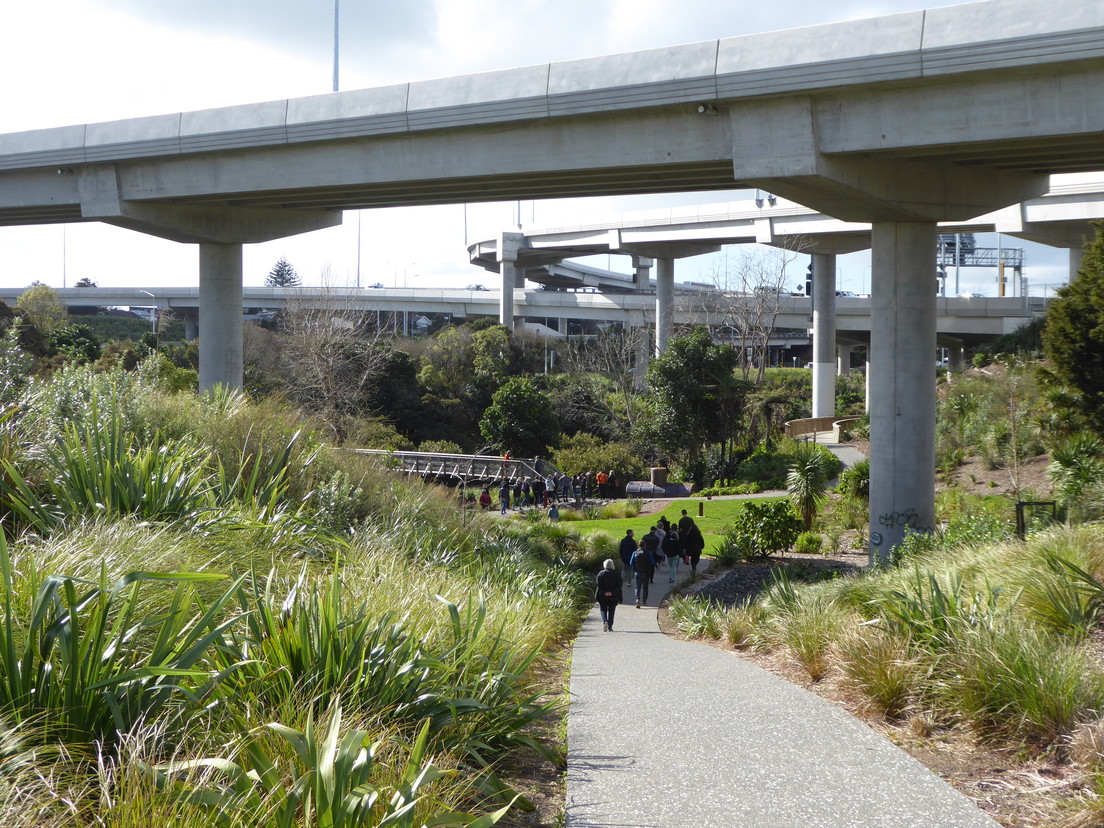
pixel 77 342
pixel 85 282
pixel 807 480
pixel 520 419
pixel 615 354
pixel 282 275
pixel 697 398
pixel 1074 334
pixel 750 294
pixel 586 451
pixel 41 305
pixel 330 360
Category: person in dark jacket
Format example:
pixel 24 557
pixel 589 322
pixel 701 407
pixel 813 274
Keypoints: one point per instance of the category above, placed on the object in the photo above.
pixel 608 593
pixel 651 542
pixel 693 543
pixel 628 546
pixel 672 548
pixel 643 564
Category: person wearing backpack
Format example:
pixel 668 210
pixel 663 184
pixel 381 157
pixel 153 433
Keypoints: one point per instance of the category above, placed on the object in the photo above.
pixel 608 593
pixel 672 548
pixel 651 542
pixel 643 564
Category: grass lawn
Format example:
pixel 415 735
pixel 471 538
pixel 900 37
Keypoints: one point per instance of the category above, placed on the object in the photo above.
pixel 718 514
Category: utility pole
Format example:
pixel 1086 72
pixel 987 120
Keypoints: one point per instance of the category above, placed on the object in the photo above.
pixel 337 5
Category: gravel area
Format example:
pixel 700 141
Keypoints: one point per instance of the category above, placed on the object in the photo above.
pixel 746 580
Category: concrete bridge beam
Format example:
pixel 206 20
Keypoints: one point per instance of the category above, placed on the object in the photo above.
pixel 797 147
pixel 902 384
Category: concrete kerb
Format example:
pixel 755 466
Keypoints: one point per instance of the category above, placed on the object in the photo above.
pixel 674 734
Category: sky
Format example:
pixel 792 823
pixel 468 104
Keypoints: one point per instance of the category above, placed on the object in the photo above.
pixel 82 61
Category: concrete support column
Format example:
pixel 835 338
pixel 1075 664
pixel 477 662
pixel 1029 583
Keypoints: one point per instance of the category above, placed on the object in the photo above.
pixel 191 323
pixel 508 246
pixel 956 358
pixel 642 349
pixel 824 335
pixel 866 399
pixel 843 366
pixel 561 325
pixel 1076 257
pixel 220 316
pixel 665 303
pixel 902 387
pixel 642 269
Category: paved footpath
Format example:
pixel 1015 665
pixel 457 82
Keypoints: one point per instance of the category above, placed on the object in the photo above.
pixel 675 734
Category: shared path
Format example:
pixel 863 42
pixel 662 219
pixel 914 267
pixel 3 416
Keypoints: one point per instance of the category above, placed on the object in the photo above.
pixel 665 733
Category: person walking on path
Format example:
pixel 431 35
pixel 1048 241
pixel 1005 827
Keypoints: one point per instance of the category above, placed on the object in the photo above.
pixel 643 564
pixel 693 543
pixel 651 542
pixel 628 547
pixel 608 593
pixel 684 524
pixel 672 548
pixel 504 496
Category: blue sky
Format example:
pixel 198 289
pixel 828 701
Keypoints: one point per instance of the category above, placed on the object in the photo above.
pixel 81 61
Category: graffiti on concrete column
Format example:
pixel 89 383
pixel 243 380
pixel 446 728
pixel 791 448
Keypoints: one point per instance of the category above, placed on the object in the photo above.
pixel 898 519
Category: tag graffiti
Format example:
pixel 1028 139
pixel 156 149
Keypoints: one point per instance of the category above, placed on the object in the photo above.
pixel 891 520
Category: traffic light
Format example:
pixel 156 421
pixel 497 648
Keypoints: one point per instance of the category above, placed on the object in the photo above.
pixel 809 279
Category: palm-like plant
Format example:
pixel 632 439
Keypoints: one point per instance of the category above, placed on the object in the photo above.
pixel 807 480
pixel 1077 472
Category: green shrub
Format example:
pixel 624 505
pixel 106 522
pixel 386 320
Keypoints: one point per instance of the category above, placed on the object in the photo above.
pixel 855 481
pixel 808 543
pixel 765 528
pixel 75 662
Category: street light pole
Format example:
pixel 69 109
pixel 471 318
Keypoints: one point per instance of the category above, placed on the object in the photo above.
pixel 337 4
pixel 153 313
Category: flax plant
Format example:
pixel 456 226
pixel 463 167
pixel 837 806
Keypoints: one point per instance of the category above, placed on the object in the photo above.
pixel 84 661
pixel 330 783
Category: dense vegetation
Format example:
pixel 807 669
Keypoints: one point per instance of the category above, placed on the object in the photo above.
pixel 214 611
pixel 210 616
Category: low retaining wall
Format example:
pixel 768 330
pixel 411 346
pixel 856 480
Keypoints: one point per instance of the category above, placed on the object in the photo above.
pixel 818 425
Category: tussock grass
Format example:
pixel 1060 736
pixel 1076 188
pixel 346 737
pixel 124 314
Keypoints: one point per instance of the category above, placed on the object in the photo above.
pixel 696 617
pixel 881 666
pixel 1016 683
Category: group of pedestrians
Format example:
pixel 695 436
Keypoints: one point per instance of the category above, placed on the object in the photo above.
pixel 539 491
pixel 664 544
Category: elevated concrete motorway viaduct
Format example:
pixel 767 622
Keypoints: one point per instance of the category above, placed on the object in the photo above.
pixel 901 121
pixel 1061 217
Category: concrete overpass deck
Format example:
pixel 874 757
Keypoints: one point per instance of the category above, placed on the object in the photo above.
pixel 971 319
pixel 901 121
